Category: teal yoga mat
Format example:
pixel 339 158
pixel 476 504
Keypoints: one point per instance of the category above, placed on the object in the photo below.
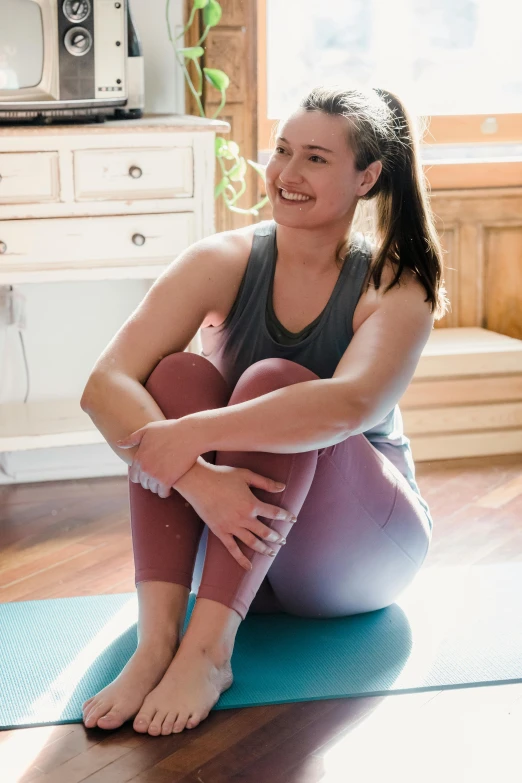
pixel 453 627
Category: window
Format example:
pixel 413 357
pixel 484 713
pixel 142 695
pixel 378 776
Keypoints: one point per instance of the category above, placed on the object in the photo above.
pixel 457 61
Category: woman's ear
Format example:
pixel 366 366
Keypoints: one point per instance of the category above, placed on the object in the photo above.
pixel 370 176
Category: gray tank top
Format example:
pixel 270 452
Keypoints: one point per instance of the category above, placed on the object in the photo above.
pixel 252 332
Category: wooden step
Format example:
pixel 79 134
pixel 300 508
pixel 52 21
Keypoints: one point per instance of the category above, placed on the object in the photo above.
pixel 465 399
pixel 461 391
pixel 464 351
pixel 466 444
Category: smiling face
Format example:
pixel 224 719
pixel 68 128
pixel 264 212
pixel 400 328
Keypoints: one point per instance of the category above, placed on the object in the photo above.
pixel 328 176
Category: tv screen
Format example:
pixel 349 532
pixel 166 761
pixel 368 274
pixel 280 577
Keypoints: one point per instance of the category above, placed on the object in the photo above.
pixel 21 44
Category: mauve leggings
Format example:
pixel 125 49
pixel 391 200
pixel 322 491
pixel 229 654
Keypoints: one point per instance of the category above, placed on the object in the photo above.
pixel 360 538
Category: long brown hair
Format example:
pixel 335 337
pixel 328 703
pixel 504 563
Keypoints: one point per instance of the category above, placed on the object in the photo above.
pixel 380 128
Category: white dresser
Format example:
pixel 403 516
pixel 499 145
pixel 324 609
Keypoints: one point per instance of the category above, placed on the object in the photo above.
pixel 109 201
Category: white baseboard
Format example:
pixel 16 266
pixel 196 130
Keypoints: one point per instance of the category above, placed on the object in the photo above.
pixel 60 464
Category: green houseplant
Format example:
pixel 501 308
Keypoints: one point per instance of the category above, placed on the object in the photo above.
pixel 226 150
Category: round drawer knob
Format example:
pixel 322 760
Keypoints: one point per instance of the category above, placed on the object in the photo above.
pixel 138 239
pixel 135 172
pixel 3 248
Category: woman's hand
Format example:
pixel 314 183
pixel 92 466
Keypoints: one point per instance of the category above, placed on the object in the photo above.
pixel 223 500
pixel 167 450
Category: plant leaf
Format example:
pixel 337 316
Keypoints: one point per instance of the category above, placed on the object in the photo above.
pixel 191 52
pixel 217 78
pixel 221 187
pixel 212 13
pixel 219 143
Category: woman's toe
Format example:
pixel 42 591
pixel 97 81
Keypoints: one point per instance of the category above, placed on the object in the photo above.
pixel 168 723
pixel 89 708
pixel 156 724
pixel 143 720
pixel 111 719
pixel 181 722
pixel 96 711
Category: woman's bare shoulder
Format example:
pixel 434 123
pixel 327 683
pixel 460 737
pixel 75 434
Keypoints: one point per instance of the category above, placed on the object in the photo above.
pixel 371 297
pixel 237 246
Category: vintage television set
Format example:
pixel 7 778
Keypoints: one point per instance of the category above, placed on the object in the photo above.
pixel 69 60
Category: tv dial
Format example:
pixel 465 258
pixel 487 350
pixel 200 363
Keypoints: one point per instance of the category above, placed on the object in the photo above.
pixel 76 10
pixel 78 41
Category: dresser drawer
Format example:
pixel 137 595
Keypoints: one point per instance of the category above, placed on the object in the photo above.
pixel 166 172
pixel 28 176
pixel 116 240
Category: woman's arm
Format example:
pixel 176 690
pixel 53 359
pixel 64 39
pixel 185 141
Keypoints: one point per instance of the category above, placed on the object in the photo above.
pixel 301 417
pixel 196 283
pixel 119 404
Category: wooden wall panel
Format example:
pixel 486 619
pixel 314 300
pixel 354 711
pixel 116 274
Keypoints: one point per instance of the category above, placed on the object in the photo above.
pixel 480 205
pixel 502 298
pixel 470 264
pixel 484 283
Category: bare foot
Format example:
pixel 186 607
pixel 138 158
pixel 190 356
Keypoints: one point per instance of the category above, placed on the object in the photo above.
pixel 191 686
pixel 121 700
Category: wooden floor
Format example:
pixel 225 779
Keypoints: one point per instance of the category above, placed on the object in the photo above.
pixel 72 538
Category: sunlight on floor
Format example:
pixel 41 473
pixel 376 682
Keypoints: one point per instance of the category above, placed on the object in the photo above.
pixel 18 753
pixel 430 735
pixel 433 617
pixel 452 741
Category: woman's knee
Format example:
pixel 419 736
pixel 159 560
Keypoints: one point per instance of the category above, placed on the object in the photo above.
pixel 184 383
pixel 268 375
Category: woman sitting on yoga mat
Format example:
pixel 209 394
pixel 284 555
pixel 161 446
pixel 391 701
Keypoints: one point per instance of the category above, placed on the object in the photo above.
pixel 311 334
